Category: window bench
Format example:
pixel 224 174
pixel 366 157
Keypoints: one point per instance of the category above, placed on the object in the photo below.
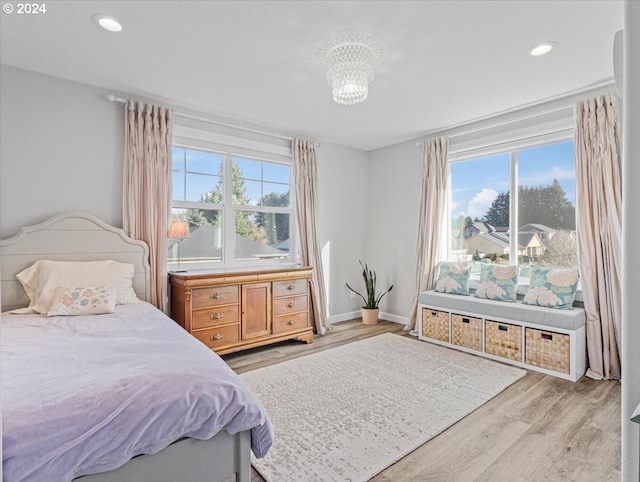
pixel 548 340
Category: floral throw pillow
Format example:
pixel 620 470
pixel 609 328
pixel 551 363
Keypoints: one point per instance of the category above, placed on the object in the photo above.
pixel 552 287
pixel 453 278
pixel 83 301
pixel 498 282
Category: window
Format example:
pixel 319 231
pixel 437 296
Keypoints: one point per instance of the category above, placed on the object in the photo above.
pixel 238 209
pixel 537 224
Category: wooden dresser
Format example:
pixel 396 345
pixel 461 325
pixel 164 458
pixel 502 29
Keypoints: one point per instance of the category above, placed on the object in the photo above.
pixel 229 312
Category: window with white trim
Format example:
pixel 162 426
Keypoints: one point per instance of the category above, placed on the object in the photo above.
pixel 518 201
pixel 238 208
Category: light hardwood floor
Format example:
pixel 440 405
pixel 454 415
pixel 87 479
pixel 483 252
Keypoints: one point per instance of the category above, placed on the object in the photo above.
pixel 541 428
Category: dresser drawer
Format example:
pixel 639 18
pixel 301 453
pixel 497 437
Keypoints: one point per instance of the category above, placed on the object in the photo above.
pixel 290 304
pixel 216 316
pixel 296 321
pixel 216 296
pixel 290 287
pixel 219 336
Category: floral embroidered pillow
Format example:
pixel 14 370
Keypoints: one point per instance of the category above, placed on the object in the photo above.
pixel 83 301
pixel 498 282
pixel 453 278
pixel 552 287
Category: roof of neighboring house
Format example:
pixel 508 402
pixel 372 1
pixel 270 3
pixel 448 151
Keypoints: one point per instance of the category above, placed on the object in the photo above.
pixel 201 241
pixel 481 226
pixel 502 239
pixel 536 228
pixel 524 239
pixel 495 239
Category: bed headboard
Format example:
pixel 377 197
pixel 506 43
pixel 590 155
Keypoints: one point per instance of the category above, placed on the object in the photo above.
pixel 68 237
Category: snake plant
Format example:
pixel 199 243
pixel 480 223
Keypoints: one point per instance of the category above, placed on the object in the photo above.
pixel 372 300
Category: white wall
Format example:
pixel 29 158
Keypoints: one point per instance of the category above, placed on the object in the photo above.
pixel 631 234
pixel 61 150
pixel 395 176
pixel 342 218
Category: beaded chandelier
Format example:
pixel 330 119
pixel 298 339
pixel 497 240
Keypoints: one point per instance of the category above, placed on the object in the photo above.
pixel 349 62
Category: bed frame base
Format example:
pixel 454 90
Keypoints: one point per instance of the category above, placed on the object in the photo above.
pixel 213 460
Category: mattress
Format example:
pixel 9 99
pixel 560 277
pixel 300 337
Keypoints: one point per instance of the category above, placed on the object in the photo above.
pixel 85 394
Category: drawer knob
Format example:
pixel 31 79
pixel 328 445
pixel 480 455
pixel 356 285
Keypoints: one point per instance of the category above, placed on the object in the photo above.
pixel 216 316
pixel 215 337
pixel 215 296
pixel 291 304
pixel 291 322
pixel 291 287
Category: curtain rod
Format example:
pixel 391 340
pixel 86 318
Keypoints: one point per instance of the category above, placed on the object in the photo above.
pixel 569 97
pixel 113 98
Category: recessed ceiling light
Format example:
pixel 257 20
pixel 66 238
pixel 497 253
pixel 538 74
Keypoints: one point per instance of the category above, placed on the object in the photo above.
pixel 543 48
pixel 107 22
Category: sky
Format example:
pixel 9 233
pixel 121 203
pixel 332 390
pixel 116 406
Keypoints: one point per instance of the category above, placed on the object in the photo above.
pixel 203 169
pixel 476 183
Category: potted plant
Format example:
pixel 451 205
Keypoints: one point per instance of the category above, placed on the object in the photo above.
pixel 372 301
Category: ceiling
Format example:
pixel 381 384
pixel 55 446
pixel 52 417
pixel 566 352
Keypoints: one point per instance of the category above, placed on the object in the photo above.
pixel 445 62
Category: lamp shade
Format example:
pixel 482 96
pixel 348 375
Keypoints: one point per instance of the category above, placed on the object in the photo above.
pixel 178 230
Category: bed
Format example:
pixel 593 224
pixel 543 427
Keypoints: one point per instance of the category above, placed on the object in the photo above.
pixel 122 396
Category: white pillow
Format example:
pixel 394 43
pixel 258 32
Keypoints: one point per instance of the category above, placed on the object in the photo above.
pixel 41 279
pixel 83 301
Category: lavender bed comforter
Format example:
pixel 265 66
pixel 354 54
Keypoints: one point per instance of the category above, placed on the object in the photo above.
pixel 84 394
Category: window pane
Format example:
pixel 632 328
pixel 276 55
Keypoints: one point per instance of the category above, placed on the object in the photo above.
pixel 177 158
pixel 277 173
pixel 197 175
pixel 178 186
pixel 479 218
pixel 261 235
pixel 256 183
pixel 278 195
pixel 246 193
pixel 204 188
pixel 249 169
pixel 203 162
pixel 204 242
pixel 546 207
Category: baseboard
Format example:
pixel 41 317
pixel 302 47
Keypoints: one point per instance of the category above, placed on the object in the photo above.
pixel 353 315
pixel 344 317
pixel 403 320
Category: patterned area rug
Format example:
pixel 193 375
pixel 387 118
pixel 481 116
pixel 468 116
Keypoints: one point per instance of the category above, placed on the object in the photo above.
pixel 347 413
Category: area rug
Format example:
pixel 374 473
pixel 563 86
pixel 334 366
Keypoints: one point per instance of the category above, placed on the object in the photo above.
pixel 347 413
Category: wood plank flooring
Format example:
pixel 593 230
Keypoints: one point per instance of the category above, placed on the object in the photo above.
pixel 541 428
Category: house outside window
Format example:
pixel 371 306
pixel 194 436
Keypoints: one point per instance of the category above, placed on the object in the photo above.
pixel 238 208
pixel 515 207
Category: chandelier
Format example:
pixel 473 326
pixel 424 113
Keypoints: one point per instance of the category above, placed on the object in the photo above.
pixel 349 62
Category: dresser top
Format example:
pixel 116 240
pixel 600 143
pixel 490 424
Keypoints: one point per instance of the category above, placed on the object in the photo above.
pixel 201 278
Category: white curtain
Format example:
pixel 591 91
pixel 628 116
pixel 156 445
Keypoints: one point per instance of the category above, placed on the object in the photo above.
pixel 146 203
pixel 599 200
pixel 431 222
pixel 305 173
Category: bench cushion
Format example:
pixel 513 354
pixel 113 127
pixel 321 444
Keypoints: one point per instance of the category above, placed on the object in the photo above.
pixel 566 319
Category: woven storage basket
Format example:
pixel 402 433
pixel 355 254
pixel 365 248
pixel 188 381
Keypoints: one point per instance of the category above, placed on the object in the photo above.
pixel 435 324
pixel 466 331
pixel 547 349
pixel 503 340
